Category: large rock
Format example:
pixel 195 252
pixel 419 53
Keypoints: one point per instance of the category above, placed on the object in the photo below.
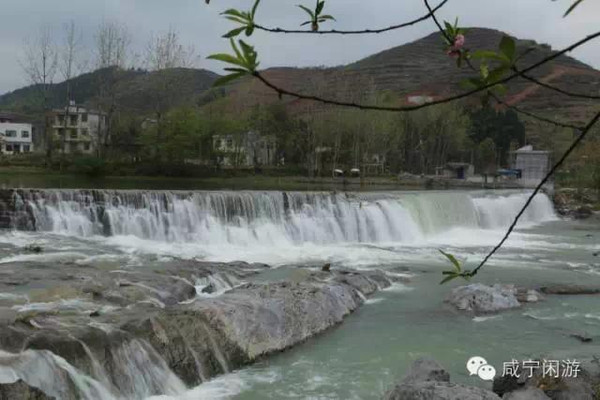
pixel 570 290
pixel 530 393
pixel 426 370
pixel 439 391
pixel 21 391
pixel 140 348
pixel 427 380
pixel 482 299
pixel 581 387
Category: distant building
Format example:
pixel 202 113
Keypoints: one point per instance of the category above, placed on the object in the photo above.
pixel 456 170
pixel 532 164
pixel 16 136
pixel 76 129
pixel 247 149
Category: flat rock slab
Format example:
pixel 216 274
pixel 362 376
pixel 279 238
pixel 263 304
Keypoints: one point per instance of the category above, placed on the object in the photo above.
pixel 439 391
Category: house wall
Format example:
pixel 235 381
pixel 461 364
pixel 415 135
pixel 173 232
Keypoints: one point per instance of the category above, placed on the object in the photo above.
pixel 534 166
pixel 82 132
pixel 16 138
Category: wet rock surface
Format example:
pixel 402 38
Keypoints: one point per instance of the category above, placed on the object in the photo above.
pixel 581 386
pixel 427 380
pixel 482 299
pixel 143 332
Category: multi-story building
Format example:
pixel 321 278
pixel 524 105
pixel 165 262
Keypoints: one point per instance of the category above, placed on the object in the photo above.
pixel 246 150
pixel 16 136
pixel 76 129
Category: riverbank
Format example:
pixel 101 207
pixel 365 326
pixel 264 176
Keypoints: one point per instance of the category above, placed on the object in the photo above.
pixel 29 177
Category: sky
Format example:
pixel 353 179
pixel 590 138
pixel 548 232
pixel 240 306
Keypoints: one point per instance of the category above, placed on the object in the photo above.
pixel 201 26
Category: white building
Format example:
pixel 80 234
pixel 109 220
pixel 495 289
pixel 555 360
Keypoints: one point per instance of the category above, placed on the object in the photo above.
pixel 533 165
pixel 247 149
pixel 15 137
pixel 76 129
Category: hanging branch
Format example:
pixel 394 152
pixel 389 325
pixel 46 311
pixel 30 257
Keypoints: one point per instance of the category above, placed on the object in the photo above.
pixel 353 32
pixel 539 187
pixel 508 49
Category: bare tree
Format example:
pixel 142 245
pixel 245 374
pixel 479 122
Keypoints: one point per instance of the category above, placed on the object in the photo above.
pixel 112 53
pixel 68 64
pixel 39 63
pixel 166 51
pixel 113 41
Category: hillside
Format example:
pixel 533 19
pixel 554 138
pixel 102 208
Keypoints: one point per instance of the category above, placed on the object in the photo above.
pixel 135 90
pixel 417 68
pixel 423 68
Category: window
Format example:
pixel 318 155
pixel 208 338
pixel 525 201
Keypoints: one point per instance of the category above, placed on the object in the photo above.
pixel 86 147
pixel 26 148
pixel 24 134
pixel 10 133
pixel 60 119
pixel 84 132
pixel 73 119
pixel 84 117
pixel 218 143
pixel 16 148
pixel 73 134
pixel 229 142
pixel 8 147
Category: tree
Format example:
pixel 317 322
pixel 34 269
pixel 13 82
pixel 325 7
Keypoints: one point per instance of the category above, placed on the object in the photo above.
pixel 39 64
pixel 112 50
pixel 68 66
pixel 503 127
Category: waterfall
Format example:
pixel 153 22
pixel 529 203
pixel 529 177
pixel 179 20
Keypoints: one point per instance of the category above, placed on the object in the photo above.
pixel 273 218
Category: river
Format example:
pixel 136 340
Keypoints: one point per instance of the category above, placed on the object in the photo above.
pixel 398 232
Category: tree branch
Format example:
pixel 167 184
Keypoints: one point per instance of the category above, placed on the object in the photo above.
pixel 540 185
pixel 357 32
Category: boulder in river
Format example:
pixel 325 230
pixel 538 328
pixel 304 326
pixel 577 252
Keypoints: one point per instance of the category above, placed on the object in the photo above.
pixel 427 380
pixel 483 299
pixel 570 290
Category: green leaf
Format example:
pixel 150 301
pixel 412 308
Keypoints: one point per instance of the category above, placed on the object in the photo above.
pixel 508 47
pixel 234 13
pixel 312 16
pixel 234 32
pixel 306 23
pixel 226 58
pixel 228 78
pixel 236 70
pixel 322 18
pixel 320 5
pixel 254 8
pixel 471 83
pixel 249 30
pixel 448 279
pixel 237 51
pixel 452 259
pixel 486 54
pixel 572 7
pixel 449 27
pixel 485 72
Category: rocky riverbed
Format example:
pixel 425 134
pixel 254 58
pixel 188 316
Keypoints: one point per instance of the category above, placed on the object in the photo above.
pixel 83 333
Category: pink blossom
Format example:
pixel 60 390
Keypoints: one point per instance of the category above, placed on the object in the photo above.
pixel 453 53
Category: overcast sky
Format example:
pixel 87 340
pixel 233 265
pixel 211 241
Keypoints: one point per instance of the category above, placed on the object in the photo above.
pixel 201 26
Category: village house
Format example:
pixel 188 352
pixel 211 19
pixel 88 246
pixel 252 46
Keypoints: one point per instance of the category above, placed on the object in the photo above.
pixel 533 165
pixel 245 150
pixel 16 135
pixel 76 129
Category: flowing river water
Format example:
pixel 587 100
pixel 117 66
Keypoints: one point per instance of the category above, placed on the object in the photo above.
pixel 398 232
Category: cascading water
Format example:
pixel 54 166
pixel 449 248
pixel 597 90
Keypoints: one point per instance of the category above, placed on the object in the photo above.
pixel 273 218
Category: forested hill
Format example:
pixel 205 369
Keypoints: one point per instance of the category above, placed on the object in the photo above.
pixel 133 90
pixel 423 68
pixel 420 68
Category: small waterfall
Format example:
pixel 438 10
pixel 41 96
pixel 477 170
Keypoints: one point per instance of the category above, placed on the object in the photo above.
pixel 51 374
pixel 141 372
pixel 216 350
pixel 273 218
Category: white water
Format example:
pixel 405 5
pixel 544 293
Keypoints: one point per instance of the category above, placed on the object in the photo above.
pixel 273 218
pixel 270 227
